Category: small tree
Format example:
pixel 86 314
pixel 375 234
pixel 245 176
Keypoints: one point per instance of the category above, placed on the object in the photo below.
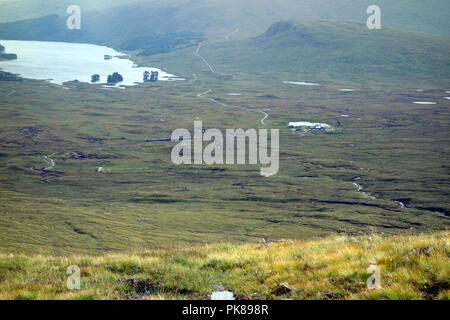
pixel 95 78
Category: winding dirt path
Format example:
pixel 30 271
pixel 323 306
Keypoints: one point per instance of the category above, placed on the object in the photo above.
pixel 197 53
pixel 359 189
pixel 235 107
pixel 49 161
pixel 200 95
pixel 227 37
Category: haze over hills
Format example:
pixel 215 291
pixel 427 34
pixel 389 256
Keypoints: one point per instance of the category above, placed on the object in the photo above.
pixel 105 20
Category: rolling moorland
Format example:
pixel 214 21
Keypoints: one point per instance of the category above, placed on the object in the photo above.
pixel 383 172
pixel 319 51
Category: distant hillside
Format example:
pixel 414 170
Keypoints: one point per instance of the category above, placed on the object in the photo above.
pixel 326 51
pixel 116 33
pixel 6 56
pixel 216 18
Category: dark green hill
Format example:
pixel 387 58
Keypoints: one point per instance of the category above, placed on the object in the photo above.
pixel 116 33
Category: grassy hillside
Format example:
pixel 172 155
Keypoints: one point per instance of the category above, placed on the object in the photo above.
pixel 330 52
pixel 13 10
pixel 411 267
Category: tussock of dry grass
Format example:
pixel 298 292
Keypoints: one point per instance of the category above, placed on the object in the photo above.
pixel 412 267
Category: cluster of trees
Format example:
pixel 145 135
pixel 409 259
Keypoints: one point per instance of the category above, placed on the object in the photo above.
pixel 6 76
pixel 153 43
pixel 8 56
pixel 115 78
pixel 151 77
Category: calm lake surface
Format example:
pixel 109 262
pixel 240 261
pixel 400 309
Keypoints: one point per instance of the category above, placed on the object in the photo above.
pixel 59 62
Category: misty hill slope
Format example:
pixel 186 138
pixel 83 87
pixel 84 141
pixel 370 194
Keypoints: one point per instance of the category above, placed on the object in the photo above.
pixel 216 18
pixel 326 51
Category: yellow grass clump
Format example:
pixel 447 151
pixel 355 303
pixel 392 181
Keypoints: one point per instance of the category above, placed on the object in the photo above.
pixel 411 267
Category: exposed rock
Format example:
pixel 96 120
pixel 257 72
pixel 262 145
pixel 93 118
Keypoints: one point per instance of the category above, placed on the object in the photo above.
pixel 281 290
pixel 432 289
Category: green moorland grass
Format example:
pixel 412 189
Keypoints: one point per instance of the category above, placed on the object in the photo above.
pixel 411 267
pixel 330 52
pixel 130 227
pixel 397 149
